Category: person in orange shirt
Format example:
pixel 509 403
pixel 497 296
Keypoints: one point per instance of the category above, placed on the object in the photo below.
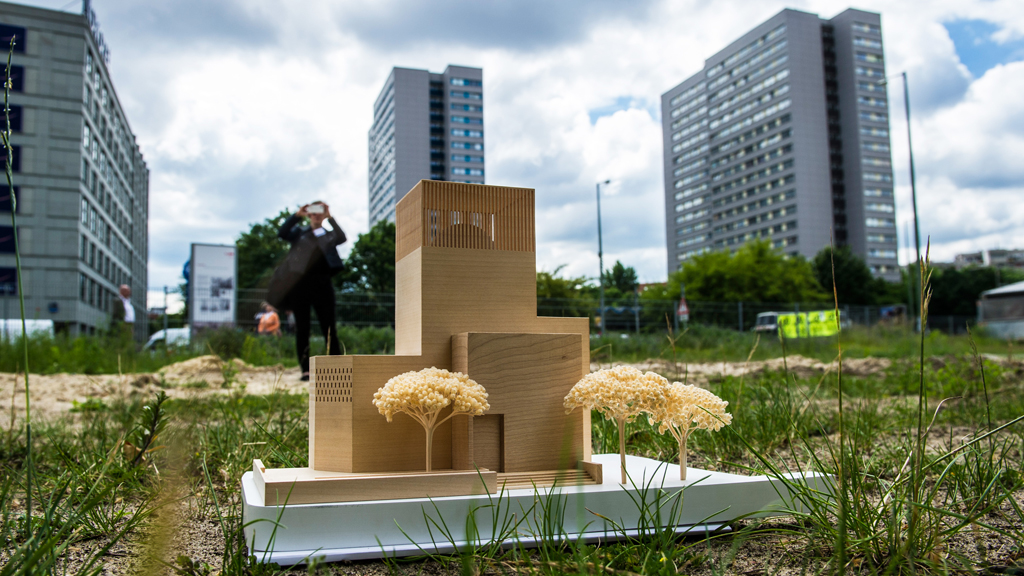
pixel 270 323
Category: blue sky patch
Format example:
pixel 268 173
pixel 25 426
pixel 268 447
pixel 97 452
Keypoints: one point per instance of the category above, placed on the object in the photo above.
pixel 976 48
pixel 621 103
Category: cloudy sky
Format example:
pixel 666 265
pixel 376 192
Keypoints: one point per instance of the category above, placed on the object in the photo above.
pixel 245 107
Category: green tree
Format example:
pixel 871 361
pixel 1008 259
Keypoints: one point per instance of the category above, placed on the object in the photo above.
pixel 956 292
pixel 753 273
pixel 260 251
pixel 551 285
pixel 370 266
pixel 854 282
pixel 622 279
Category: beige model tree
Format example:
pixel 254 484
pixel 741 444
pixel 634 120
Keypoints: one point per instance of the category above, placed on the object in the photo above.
pixel 621 394
pixel 423 395
pixel 688 408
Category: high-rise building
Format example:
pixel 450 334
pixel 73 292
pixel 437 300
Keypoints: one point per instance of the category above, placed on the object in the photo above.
pixel 784 135
pixel 426 126
pixel 79 177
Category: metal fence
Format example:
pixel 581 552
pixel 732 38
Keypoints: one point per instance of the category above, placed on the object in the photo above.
pixel 626 315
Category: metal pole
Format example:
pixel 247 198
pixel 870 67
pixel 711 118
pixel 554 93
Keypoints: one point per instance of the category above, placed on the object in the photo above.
pixel 166 339
pixel 600 257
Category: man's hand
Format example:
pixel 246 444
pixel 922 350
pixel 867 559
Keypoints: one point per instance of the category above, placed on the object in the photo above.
pixel 302 213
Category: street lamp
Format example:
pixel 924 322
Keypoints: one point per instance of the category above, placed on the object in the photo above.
pixel 600 255
pixel 913 182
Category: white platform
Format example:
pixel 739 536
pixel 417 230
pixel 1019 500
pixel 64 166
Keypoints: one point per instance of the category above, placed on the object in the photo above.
pixel 373 529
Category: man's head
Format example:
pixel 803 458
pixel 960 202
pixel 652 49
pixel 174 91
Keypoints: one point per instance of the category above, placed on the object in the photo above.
pixel 318 212
pixel 124 291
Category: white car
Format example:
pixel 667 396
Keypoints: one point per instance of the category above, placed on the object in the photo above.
pixel 172 337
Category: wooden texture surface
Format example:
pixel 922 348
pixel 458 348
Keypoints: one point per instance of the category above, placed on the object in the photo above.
pixel 526 377
pixel 308 486
pixel 466 263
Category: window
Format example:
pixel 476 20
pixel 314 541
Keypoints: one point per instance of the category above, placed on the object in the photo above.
pixel 466 95
pixel 869 72
pixel 867 42
pixel 16 32
pixel 876 132
pixel 468 133
pixel 866 28
pixel 880 208
pixel 877 177
pixel 468 171
pixel 869 57
pixel 15 157
pixel 6 240
pixel 689 92
pixel 870 86
pixel 879 223
pixel 466 120
pixel 86 135
pixel 689 204
pixel 875 146
pixel 877 193
pixel 5 198
pixel 468 107
pixel 869 101
pixel 882 238
pixel 17 77
pixel 465 82
pixel 881 162
pixel 880 253
pixel 467 145
pixel 467 158
pixel 874 116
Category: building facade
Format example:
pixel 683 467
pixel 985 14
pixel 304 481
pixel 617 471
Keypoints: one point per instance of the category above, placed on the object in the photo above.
pixel 426 126
pixel 80 180
pixel 784 136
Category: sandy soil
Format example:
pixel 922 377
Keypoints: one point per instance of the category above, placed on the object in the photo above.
pixel 54 395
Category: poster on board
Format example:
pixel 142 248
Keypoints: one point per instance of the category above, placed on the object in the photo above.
pixel 212 286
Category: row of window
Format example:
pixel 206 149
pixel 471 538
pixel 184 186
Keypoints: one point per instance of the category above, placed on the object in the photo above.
pixel 755 190
pixel 877 193
pixel 762 173
pixel 692 153
pixel 689 92
pixel 691 191
pixel 755 161
pixel 882 238
pixel 690 141
pixel 881 253
pixel 691 178
pixel 869 57
pixel 870 101
pixel 757 205
pixel 866 28
pixel 869 72
pixel 867 42
pixel 466 82
pixel 690 229
pixel 871 87
pixel 468 133
pixel 691 253
pixel 689 105
pixel 689 130
pixel 739 140
pixel 754 61
pixel 777 63
pixel 690 203
pixel 468 107
pixel 874 131
pixel 742 52
pixel 760 115
pixel 766 83
pixel 876 207
pixel 764 143
pixel 696 214
pixel 755 220
pixel 466 95
pixel 762 99
pixel 877 177
pixel 755 234
pixel 873 116
pixel 693 240
pixel 879 223
pixel 467 145
pixel 691 116
pixel 467 158
pixel 879 162
pixel 92 256
pixel 466 120
pixel 874 146
pixel 94 294
pixel 690 167
pixel 468 171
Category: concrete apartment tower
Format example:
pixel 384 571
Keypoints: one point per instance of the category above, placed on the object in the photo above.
pixel 784 135
pixel 426 126
pixel 81 183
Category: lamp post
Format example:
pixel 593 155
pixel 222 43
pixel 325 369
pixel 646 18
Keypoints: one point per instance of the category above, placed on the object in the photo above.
pixel 600 256
pixel 913 182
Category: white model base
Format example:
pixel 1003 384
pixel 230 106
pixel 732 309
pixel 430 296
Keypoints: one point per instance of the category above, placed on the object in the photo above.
pixel 609 511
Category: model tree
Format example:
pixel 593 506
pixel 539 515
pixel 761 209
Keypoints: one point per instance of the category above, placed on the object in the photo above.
pixel 425 394
pixel 620 394
pixel 688 408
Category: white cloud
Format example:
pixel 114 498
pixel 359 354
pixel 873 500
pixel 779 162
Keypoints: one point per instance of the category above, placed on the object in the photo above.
pixel 243 109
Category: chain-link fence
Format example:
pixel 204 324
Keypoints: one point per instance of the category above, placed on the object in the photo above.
pixel 629 314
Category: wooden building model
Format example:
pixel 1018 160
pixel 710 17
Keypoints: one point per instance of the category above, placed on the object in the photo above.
pixel 466 300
